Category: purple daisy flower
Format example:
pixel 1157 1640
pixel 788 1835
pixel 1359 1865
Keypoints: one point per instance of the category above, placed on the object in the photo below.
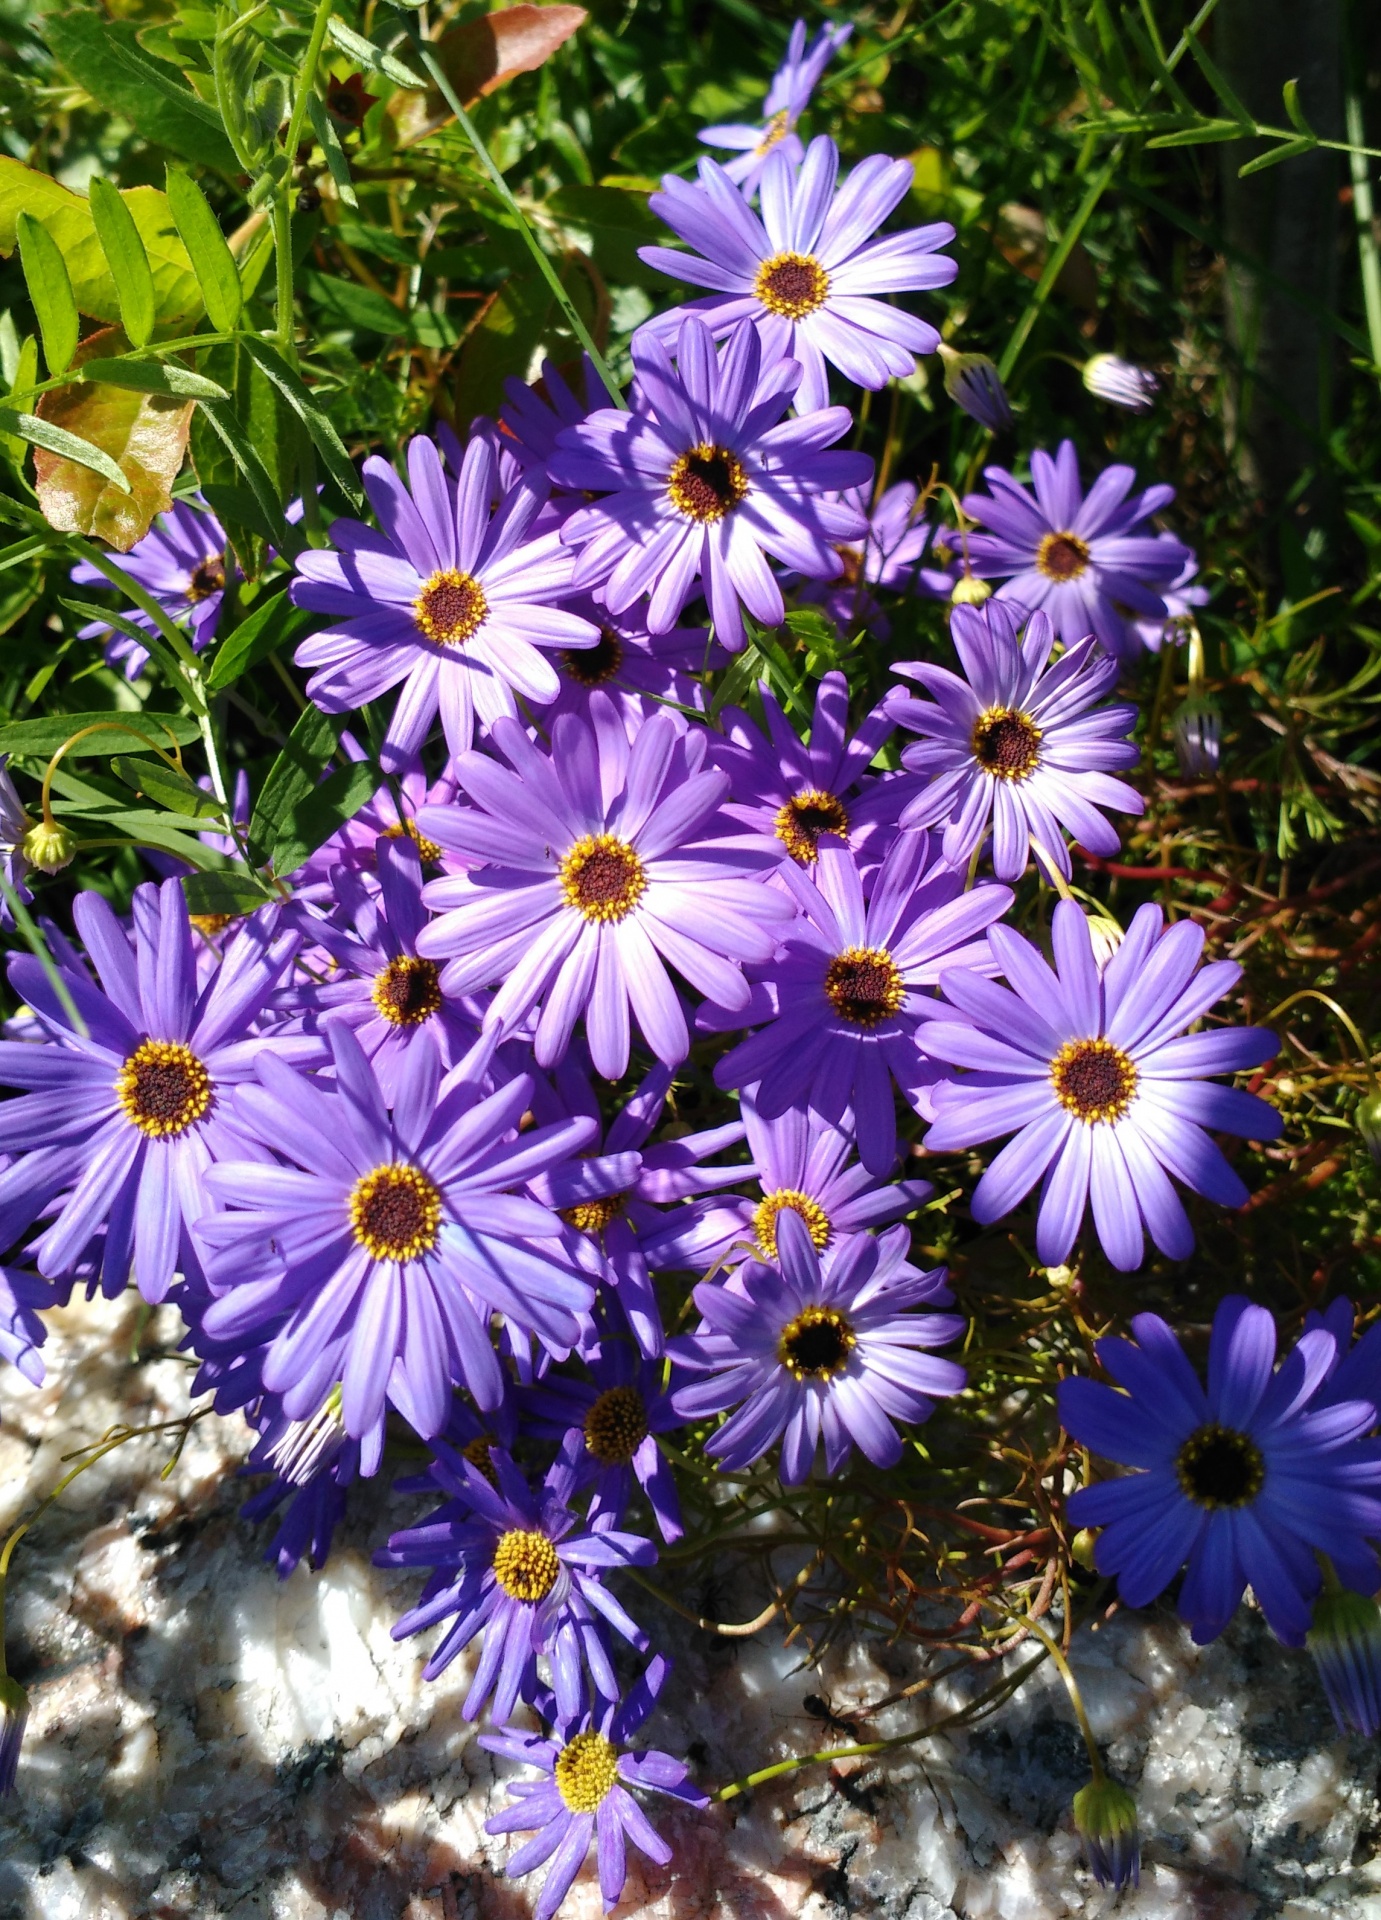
pixel 1181 598
pixel 802 1165
pixel 1082 557
pixel 639 671
pixel 125 1122
pixel 22 1333
pixel 450 601
pixel 609 1425
pixel 510 1564
pixel 707 483
pixel 390 815
pixel 808 270
pixel 1099 1078
pixel 584 1794
pixel 181 563
pixel 787 99
pixel 794 792
pixel 601 875
pixel 847 986
pixel 1247 1480
pixel 535 415
pixel 819 1350
pixel 1018 743
pixel 387 1240
pixel 897 539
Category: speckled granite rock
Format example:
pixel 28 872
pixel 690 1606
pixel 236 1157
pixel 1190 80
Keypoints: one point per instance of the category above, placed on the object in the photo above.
pixel 206 1740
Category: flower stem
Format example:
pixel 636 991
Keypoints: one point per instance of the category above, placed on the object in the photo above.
pixel 1344 1019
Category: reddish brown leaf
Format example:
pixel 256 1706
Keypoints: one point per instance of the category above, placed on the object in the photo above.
pixel 145 434
pixel 480 55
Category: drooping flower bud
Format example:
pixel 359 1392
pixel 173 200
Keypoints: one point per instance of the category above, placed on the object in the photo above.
pixel 1367 1120
pixel 975 386
pixel 1197 730
pixel 1120 382
pixel 970 592
pixel 14 1713
pixel 1105 935
pixel 1345 1641
pixel 1083 1549
pixel 49 846
pixel 1105 1818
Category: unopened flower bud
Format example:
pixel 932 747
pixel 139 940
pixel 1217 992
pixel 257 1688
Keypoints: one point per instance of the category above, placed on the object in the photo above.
pixel 1083 1548
pixel 1120 382
pixel 1105 935
pixel 1367 1120
pixel 1197 729
pixel 14 1713
pixel 1105 1818
pixel 49 846
pixel 970 592
pixel 301 1448
pixel 1345 1641
pixel 975 386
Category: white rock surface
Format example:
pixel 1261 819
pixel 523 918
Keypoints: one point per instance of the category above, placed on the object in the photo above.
pixel 208 1741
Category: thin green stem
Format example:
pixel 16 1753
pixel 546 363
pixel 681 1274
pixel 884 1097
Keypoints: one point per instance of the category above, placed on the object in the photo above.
pixel 24 920
pixel 1076 1699
pixel 287 191
pixel 1343 1018
pixel 1366 234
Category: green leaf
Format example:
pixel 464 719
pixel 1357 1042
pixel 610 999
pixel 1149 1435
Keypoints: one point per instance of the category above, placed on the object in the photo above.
pixel 367 55
pixel 105 57
pixel 115 621
pixel 1287 150
pixel 67 217
pixel 615 223
pixel 50 289
pixel 291 778
pixel 273 624
pixel 41 738
pixel 222 417
pixel 324 436
pixel 129 264
pixel 324 811
pixel 1245 122
pixel 1290 94
pixel 329 142
pixel 212 260
pixel 235 507
pixel 153 780
pixel 168 377
pixel 223 892
pixel 72 447
pixel 346 303
pixel 1201 133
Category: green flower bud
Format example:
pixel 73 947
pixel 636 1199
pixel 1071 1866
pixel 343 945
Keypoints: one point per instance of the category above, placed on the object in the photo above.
pixel 1367 1120
pixel 49 847
pixel 969 592
pixel 1083 1548
pixel 1105 1818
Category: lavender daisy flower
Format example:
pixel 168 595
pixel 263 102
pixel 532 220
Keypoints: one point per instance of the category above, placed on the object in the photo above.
pixel 847 988
pixel 1080 557
pixel 510 1564
pixel 793 791
pixel 639 671
pixel 802 1165
pixel 1018 744
pixel 22 1333
pixel 601 876
pixel 896 541
pixel 390 815
pixel 808 270
pixel 1247 1480
pixel 1103 1085
pixel 584 1794
pixel 451 602
pixel 126 1122
pixel 610 1423
pixel 1182 597
pixel 819 1350
pixel 975 386
pixel 180 563
pixel 535 415
pixel 385 1242
pixel 787 99
pixel 707 483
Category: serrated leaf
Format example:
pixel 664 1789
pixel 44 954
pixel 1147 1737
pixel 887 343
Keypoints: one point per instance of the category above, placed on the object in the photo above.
pixel 50 290
pixel 274 624
pixel 324 811
pixel 145 434
pixel 153 780
pixel 223 892
pixel 324 436
pixel 41 738
pixel 59 443
pixel 207 248
pixel 105 57
pixel 67 217
pixel 128 262
pixel 291 778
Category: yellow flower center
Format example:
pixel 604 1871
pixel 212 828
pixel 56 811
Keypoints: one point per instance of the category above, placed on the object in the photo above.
pixel 776 130
pixel 864 986
pixel 817 1221
pixel 602 877
pixel 804 818
pixel 792 284
pixel 586 1769
pixel 616 1426
pixel 208 925
pixel 816 1344
pixel 477 1452
pixel 408 991
pixel 1094 1080
pixel 592 666
pixel 707 483
pixel 593 1216
pixel 526 1565
pixel 451 608
pixel 395 1212
pixel 164 1088
pixel 1006 743
pixel 206 578
pixel 1062 556
pixel 1220 1467
pixel 428 850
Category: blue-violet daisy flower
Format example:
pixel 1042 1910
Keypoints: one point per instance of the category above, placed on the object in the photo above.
pixel 787 99
pixel 611 1421
pixel 181 563
pixel 895 543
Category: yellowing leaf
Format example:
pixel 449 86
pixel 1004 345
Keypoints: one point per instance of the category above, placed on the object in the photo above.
pixel 145 434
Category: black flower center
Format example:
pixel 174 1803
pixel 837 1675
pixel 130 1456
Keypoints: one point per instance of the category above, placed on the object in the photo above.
pixel 1093 1079
pixel 1006 743
pixel 816 1344
pixel 408 991
pixel 451 607
pixel 207 577
pixel 804 818
pixel 592 666
pixel 163 1088
pixel 1062 556
pixel 864 985
pixel 1220 1467
pixel 616 1426
pixel 707 483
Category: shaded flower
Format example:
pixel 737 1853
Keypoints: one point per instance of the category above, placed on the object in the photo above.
pixel 181 563
pixel 601 875
pixel 390 815
pixel 22 1333
pixel 534 415
pixel 1345 1640
pixel 807 270
pixel 14 825
pixel 896 540
pixel 1197 730
pixel 450 601
pixel 1078 556
pixel 1182 597
pixel 975 386
pixel 818 1350
pixel 707 483
pixel 1098 1077
pixel 510 1564
pixel 640 672
pixel 611 1421
pixel 1245 1479
pixel 1105 1820
pixel 1120 382
pixel 584 1795
pixel 846 988
pixel 1018 744
pixel 787 99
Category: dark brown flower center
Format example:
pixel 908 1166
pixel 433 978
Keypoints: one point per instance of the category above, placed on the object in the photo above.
pixel 207 577
pixel 602 877
pixel 592 666
pixel 1220 1467
pixel 804 818
pixel 395 1212
pixel 816 1344
pixel 451 608
pixel 616 1426
pixel 707 483
pixel 163 1088
pixel 408 991
pixel 1062 556
pixel 864 986
pixel 1006 743
pixel 792 284
pixel 1094 1080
